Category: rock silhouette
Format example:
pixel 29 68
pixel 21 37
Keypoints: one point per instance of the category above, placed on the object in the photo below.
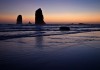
pixel 39 18
pixel 29 22
pixel 19 19
pixel 64 29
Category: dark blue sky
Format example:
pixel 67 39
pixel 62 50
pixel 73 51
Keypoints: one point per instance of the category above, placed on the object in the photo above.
pixel 50 8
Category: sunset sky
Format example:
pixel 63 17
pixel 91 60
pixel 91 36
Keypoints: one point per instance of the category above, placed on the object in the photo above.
pixel 55 11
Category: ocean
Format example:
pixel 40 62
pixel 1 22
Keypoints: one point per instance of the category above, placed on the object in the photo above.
pixel 24 47
pixel 28 30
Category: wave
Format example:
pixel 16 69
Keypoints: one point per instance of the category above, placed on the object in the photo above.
pixel 11 35
pixel 16 31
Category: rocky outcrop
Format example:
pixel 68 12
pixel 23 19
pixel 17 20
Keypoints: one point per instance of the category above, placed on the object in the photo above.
pixel 19 19
pixel 64 29
pixel 39 18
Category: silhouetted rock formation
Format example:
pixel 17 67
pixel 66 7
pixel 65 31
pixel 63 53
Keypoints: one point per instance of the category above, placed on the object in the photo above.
pixel 29 22
pixel 81 23
pixel 19 19
pixel 39 19
pixel 64 29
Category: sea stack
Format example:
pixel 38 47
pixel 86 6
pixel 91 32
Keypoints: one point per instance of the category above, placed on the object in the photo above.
pixel 39 18
pixel 19 19
pixel 64 28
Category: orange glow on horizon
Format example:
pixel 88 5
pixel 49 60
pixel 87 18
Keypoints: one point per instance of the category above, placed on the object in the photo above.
pixel 65 17
pixel 7 19
pixel 73 18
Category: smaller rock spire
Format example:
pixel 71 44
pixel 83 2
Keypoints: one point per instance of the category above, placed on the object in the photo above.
pixel 19 19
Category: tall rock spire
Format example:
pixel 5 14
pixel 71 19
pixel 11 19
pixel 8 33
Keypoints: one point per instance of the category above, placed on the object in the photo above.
pixel 19 19
pixel 39 18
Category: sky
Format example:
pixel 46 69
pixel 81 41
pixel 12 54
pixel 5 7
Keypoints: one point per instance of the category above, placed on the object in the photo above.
pixel 54 11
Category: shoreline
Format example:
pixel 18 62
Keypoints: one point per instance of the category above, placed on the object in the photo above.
pixel 68 51
pixel 39 33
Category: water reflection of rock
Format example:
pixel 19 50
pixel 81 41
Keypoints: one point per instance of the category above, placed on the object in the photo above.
pixel 38 28
pixel 39 40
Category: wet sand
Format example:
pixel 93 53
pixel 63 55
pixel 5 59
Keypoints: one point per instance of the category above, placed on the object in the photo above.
pixel 80 51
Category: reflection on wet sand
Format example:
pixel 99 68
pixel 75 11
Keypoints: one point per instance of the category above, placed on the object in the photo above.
pixel 39 40
pixel 80 51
